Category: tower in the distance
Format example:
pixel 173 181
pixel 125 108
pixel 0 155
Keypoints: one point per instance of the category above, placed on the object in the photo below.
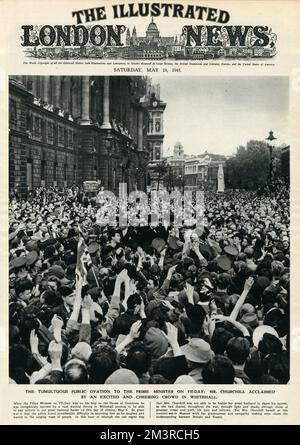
pixel 155 133
pixel 127 43
pixel 178 150
pixel 134 36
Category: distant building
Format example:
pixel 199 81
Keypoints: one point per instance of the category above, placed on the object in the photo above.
pixel 152 35
pixel 201 171
pixel 176 166
pixel 152 45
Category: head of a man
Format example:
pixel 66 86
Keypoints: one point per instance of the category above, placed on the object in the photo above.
pixel 277 365
pixel 23 288
pixel 219 236
pixel 238 350
pixel 218 371
pixel 138 359
pixel 42 227
pixel 75 372
pixel 68 295
pixel 115 238
pixel 103 362
pixel 30 226
pixel 220 339
pixel 134 303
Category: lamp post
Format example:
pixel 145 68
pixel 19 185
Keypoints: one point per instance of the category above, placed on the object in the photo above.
pixel 108 147
pixel 181 178
pixel 169 187
pixel 270 138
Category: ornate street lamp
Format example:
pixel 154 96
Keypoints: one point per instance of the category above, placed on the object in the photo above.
pixel 181 178
pixel 271 138
pixel 108 148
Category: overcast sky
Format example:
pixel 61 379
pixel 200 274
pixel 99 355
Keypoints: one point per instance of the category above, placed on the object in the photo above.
pixel 220 113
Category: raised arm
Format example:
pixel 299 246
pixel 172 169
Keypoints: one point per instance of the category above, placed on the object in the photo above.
pixel 162 259
pixel 55 354
pixel 189 290
pixel 57 324
pixel 235 323
pixel 85 327
pixel 172 338
pixel 133 334
pixel 77 303
pixel 248 284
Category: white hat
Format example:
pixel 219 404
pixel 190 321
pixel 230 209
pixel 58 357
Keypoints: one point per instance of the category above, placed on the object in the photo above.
pixel 259 332
pixel 184 380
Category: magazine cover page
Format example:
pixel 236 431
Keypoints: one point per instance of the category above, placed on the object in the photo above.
pixel 149 213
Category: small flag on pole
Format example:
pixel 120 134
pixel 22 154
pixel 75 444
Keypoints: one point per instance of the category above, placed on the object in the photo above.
pixel 83 259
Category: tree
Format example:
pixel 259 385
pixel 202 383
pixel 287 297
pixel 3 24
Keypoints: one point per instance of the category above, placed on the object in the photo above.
pixel 250 167
pixel 161 170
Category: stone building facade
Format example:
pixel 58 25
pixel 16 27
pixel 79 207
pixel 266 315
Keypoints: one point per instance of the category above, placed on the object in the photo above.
pixel 202 171
pixel 155 134
pixel 67 129
pixel 176 162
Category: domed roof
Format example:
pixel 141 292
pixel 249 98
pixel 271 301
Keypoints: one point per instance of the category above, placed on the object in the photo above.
pixel 152 27
pixel 152 30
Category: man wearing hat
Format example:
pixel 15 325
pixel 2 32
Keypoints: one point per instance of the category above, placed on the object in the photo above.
pixel 94 251
pixel 64 311
pixel 23 290
pixel 223 263
pixel 121 377
pixel 231 252
pixel 20 267
pixel 33 262
pixel 197 353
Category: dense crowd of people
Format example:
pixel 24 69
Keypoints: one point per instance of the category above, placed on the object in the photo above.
pixel 157 304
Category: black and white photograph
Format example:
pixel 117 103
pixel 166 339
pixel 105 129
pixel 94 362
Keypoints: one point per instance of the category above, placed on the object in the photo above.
pixel 149 230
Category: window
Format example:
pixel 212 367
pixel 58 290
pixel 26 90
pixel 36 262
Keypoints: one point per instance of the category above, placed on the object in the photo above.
pixel 29 176
pixel 29 122
pixel 35 127
pixel 50 132
pixel 55 172
pixel 114 178
pixel 70 138
pixel 157 126
pixel 66 137
pixel 43 130
pixel 43 170
pixel 60 136
pixel 13 110
pixel 74 173
pixel 40 126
